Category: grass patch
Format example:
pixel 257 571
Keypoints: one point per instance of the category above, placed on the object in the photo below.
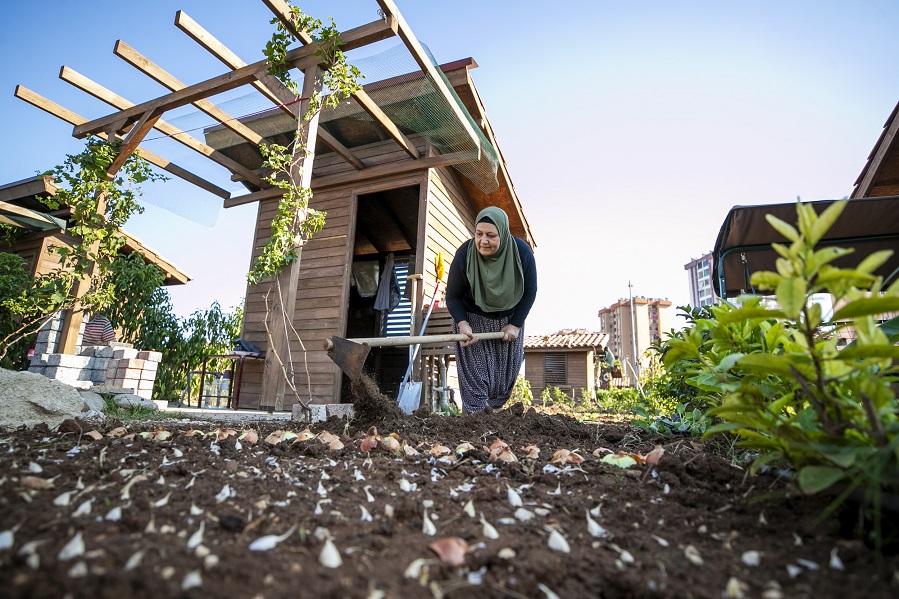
pixel 137 413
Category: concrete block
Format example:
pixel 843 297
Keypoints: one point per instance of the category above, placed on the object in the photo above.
pixel 129 373
pixel 145 394
pixel 124 352
pixel 153 356
pixel 36 368
pixel 62 373
pixel 319 413
pixel 39 359
pixel 150 366
pixel 132 363
pixel 49 337
pixel 68 360
pixel 99 363
pixel 81 385
pixel 145 385
pixel 341 410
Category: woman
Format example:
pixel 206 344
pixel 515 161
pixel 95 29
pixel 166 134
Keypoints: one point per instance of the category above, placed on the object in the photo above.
pixel 491 287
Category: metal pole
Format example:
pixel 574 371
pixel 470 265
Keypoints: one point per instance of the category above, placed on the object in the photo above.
pixel 636 367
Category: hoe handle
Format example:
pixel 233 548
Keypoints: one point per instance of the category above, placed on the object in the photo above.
pixel 415 340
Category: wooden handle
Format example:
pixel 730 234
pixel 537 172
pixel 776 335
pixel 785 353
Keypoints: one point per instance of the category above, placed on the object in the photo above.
pixel 415 339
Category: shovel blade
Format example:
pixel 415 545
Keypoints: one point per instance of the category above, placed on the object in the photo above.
pixel 349 356
pixel 409 399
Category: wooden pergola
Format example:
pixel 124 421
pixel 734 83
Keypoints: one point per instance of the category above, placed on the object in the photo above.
pixel 130 123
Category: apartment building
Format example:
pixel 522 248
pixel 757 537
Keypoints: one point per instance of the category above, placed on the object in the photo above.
pixel 641 320
pixel 699 275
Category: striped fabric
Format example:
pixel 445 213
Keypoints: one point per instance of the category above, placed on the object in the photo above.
pixel 98 331
pixel 488 369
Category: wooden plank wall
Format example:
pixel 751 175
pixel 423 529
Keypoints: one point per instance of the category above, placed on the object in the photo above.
pixel 323 285
pixel 450 221
pixel 579 364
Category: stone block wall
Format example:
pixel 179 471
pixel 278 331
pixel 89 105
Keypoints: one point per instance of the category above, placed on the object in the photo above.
pixel 117 365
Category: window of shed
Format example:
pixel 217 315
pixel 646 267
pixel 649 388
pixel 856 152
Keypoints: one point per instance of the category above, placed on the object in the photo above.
pixel 555 368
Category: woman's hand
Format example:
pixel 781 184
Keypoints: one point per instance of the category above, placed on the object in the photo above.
pixel 465 329
pixel 510 332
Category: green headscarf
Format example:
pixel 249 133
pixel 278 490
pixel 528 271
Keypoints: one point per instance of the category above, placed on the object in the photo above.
pixel 497 282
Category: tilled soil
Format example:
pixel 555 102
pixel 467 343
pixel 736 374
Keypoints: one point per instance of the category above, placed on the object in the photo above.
pixel 204 513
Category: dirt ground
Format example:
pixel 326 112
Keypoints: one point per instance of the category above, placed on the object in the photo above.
pixel 204 513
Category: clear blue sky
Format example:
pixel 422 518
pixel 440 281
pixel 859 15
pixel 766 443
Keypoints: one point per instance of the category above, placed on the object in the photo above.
pixel 629 128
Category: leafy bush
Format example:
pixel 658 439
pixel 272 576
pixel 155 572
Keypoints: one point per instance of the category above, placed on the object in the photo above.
pixel 776 377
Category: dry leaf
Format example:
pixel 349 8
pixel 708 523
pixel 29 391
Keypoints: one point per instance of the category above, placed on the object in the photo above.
pixel 95 435
pixel 451 550
pixel 564 456
pixel 370 441
pixel 224 433
pixel 506 456
pixel 335 444
pixel 326 437
pixel 464 448
pixel 390 443
pixel 250 436
pixel 653 457
pixel 601 450
pixel 275 437
pixel 438 450
pixel 33 482
pixel 117 432
pixel 532 451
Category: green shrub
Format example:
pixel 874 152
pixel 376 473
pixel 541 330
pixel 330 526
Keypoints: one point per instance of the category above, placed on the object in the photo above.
pixel 776 378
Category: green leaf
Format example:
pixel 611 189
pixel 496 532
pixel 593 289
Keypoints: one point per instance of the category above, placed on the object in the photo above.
pixel 785 229
pixel 874 261
pixel 891 329
pixel 791 296
pixel 767 363
pixel 867 306
pixel 813 479
pixel 766 279
pixel 749 313
pixel 825 221
pixel 857 352
pixel 622 461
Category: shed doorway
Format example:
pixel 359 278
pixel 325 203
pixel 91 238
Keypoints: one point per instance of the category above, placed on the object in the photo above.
pixel 387 222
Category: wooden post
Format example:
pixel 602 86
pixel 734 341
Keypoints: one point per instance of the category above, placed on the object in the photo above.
pixel 277 359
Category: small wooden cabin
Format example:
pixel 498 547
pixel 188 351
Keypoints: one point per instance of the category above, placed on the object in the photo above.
pixel 566 360
pixel 412 207
pixel 44 229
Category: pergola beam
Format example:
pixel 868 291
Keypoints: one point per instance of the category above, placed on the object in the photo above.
pixel 164 78
pixel 372 172
pixel 418 53
pixel 64 114
pixel 269 86
pixel 301 58
pixel 282 11
pixel 98 91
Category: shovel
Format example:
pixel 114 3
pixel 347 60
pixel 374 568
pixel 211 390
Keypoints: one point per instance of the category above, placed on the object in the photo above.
pixel 350 354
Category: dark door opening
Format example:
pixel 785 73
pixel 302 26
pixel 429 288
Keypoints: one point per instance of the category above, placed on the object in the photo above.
pixel 386 223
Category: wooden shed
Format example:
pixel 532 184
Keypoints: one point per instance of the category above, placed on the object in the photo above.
pixel 42 230
pixel 412 202
pixel 566 360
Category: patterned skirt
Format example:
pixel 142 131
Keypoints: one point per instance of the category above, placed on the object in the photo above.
pixel 488 369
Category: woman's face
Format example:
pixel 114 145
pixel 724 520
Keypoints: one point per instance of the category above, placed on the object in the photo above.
pixel 486 238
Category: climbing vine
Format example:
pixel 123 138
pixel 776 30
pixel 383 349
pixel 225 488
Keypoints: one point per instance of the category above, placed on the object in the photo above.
pixel 295 221
pixel 83 185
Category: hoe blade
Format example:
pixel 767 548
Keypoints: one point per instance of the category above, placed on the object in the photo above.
pixel 349 356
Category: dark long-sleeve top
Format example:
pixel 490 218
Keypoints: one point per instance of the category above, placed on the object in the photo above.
pixel 460 300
